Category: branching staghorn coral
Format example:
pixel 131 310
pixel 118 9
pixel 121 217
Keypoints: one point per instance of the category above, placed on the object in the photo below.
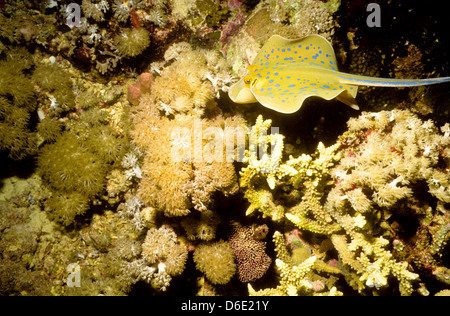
pixel 299 276
pixel 17 102
pixel 349 192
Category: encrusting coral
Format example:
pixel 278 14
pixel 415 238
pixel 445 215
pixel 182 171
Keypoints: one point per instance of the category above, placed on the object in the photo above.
pixel 250 251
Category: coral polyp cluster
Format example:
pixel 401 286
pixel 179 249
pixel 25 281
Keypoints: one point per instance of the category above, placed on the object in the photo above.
pixel 128 170
pixel 216 260
pixel 132 42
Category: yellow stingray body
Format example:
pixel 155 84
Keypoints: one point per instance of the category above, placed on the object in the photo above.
pixel 286 72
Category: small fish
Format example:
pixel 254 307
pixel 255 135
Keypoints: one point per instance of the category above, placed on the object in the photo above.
pixel 286 72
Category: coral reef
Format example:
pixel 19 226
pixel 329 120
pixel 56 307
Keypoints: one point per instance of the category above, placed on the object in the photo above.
pixel 300 271
pixel 343 191
pixel 125 169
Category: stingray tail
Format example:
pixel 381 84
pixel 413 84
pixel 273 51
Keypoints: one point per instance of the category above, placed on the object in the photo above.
pixel 387 82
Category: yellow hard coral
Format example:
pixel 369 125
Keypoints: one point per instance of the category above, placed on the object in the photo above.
pixel 348 192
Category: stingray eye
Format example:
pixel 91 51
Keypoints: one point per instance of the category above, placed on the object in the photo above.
pixel 247 80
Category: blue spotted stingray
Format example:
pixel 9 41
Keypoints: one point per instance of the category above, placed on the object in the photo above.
pixel 286 72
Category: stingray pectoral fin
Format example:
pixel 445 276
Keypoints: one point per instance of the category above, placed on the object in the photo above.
pixel 239 93
pixel 347 98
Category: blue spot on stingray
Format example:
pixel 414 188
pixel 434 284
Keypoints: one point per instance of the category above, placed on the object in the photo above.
pixel 271 51
pixel 288 77
pixel 267 77
pixel 283 50
pixel 259 75
pixel 313 84
pixel 277 85
pixel 276 74
pixel 289 49
pixel 288 58
pixel 326 87
pixel 262 89
pixel 299 46
pixel 271 80
pixel 291 85
pixel 277 56
pixel 295 52
pixel 306 47
pixel 268 89
pixel 315 56
pixel 340 87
